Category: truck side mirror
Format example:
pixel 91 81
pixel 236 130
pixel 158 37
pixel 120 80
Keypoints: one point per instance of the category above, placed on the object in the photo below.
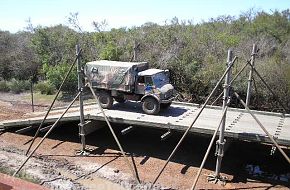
pixel 167 73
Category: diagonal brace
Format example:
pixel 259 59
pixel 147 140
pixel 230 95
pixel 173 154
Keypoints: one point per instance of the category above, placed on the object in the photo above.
pixel 48 132
pixel 134 172
pixel 262 127
pixel 268 87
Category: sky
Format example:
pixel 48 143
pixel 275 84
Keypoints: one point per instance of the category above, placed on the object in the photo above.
pixel 14 14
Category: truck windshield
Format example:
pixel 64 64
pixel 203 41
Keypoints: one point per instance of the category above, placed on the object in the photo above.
pixel 160 79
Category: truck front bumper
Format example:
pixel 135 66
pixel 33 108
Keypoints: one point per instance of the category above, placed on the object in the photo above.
pixel 166 101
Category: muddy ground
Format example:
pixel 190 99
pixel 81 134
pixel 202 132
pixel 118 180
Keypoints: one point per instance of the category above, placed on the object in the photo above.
pixel 56 166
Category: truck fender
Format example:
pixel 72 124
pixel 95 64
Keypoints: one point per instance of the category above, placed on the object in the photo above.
pixel 150 95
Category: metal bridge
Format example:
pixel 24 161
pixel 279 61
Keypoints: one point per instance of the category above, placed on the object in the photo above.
pixel 239 124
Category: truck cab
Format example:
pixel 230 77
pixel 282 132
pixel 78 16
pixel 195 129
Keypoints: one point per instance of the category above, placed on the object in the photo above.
pixel 157 92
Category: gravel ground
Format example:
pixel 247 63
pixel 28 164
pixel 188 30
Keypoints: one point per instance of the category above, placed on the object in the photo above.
pixel 246 165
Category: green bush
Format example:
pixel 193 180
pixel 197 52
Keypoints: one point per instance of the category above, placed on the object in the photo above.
pixel 26 84
pixel 111 52
pixel 55 75
pixel 45 88
pixel 4 86
pixel 15 86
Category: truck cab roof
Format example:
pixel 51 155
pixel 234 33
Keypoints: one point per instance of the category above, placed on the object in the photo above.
pixel 114 63
pixel 150 72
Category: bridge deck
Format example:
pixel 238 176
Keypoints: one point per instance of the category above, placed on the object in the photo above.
pixel 239 124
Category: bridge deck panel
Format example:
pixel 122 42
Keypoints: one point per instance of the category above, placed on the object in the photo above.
pixel 239 124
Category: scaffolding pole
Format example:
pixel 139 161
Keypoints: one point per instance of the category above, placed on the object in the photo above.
pixel 221 141
pixel 249 89
pixel 209 147
pixel 81 101
pixel 237 75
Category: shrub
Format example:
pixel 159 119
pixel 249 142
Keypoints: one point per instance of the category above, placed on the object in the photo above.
pixel 18 86
pixel 15 86
pixel 26 84
pixel 45 88
pixel 4 86
pixel 56 74
pixel 111 52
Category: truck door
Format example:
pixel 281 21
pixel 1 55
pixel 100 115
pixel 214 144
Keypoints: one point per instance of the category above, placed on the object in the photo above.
pixel 140 85
pixel 144 84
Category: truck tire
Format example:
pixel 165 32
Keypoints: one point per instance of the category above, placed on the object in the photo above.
pixel 165 105
pixel 106 100
pixel 151 106
pixel 120 99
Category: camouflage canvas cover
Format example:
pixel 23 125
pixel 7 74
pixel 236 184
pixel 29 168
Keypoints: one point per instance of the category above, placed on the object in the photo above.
pixel 113 75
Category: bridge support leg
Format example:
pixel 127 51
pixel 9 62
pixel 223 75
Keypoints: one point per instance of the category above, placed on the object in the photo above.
pixel 249 89
pixel 216 177
pixel 81 102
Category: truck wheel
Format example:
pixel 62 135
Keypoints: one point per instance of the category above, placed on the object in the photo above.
pixel 165 105
pixel 151 106
pixel 120 99
pixel 106 100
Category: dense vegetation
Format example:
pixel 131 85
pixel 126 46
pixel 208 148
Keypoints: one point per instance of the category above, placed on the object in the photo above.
pixel 194 53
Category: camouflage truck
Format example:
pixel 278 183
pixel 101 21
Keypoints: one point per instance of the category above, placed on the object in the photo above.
pixel 121 81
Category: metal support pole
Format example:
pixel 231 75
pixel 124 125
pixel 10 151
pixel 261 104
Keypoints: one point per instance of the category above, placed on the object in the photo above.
pixel 48 132
pixel 238 74
pixel 262 127
pixel 134 172
pixel 209 147
pixel 195 119
pixel 249 89
pixel 221 141
pixel 51 105
pixel 81 101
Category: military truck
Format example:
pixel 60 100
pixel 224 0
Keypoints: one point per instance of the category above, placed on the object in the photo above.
pixel 121 81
